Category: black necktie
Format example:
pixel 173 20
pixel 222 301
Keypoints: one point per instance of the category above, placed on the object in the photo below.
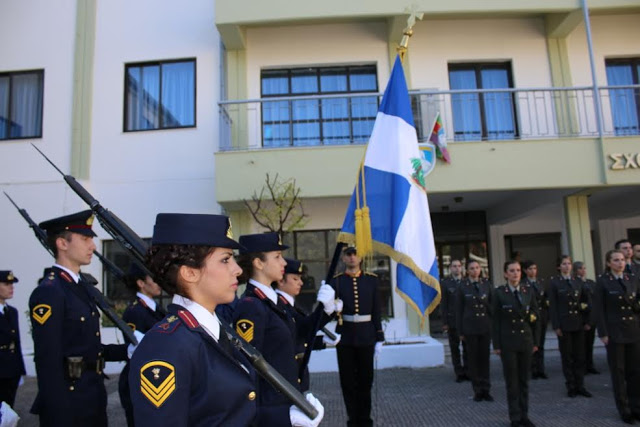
pixel 627 269
pixel 224 342
pixel 476 287
pixel 624 287
pixel 517 295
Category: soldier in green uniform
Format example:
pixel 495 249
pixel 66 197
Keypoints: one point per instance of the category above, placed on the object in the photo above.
pixel 449 288
pixel 515 332
pixel 589 286
pixel 540 289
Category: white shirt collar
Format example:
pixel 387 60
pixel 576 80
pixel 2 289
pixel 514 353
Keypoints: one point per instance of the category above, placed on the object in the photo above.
pixel 514 288
pixel 286 296
pixel 209 321
pixel 2 306
pixel 267 290
pixel 149 301
pixel 566 277
pixel 74 276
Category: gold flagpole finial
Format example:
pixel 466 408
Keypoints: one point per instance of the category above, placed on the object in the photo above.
pixel 408 31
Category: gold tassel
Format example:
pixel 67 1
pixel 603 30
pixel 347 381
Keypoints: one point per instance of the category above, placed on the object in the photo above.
pixel 367 241
pixel 359 230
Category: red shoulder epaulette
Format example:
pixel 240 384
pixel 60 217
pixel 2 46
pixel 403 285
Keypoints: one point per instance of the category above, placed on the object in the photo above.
pixel 259 293
pixel 188 319
pixel 283 299
pixel 142 302
pixel 66 276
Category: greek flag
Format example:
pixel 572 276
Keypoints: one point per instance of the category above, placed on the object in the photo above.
pixel 389 211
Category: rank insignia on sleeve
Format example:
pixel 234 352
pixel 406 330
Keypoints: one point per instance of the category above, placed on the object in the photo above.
pixel 157 381
pixel 41 313
pixel 132 326
pixel 244 328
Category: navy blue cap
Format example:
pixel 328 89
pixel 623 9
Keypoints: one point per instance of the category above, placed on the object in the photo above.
pixel 80 223
pixel 350 250
pixel 293 266
pixel 6 276
pixel 193 229
pixel 263 242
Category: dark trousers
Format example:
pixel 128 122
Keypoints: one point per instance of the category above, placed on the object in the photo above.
pixel 125 397
pixel 356 378
pixel 478 350
pixel 589 337
pixel 537 360
pixel 625 375
pixel 8 389
pixel 459 364
pixel 571 346
pixel 516 367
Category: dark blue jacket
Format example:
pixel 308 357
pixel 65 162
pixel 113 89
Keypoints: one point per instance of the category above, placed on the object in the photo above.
pixel 11 363
pixel 66 322
pixel 360 295
pixel 180 376
pixel 271 331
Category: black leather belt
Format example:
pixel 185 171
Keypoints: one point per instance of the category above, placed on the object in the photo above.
pixel 76 366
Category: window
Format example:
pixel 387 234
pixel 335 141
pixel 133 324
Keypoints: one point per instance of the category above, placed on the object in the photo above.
pixel 625 103
pixel 315 250
pixel 21 95
pixel 160 95
pixel 309 121
pixel 486 115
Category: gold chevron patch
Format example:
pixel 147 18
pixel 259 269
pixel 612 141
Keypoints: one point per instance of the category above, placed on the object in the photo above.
pixel 41 313
pixel 132 326
pixel 244 328
pixel 157 381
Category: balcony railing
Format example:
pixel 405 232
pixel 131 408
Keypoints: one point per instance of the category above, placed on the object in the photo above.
pixel 479 115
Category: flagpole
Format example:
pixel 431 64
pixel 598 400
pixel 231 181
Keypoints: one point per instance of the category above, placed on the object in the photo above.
pixel 408 31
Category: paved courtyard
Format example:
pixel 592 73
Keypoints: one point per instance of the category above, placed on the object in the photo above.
pixel 430 397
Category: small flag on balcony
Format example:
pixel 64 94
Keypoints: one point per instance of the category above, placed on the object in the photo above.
pixel 389 211
pixel 439 139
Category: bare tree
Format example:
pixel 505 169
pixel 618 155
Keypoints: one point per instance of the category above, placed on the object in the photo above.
pixel 278 207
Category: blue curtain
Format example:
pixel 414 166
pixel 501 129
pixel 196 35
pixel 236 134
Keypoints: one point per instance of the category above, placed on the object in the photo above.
pixel 275 115
pixel 498 106
pixel 467 125
pixel 624 106
pixel 178 94
pixel 5 120
pixel 22 116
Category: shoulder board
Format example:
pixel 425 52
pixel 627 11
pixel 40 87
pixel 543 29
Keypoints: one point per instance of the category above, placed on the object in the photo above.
pixel 168 325
pixel 370 274
pixel 188 319
pixel 144 304
pixel 283 299
pixel 259 293
pixel 66 276
pixel 338 275
pixel 505 288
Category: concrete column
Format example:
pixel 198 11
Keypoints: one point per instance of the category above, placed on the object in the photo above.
pixel 578 227
pixel 236 116
pixel 497 253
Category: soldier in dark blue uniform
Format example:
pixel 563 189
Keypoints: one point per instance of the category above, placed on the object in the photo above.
pixel 11 362
pixel 306 324
pixel 626 248
pixel 473 305
pixel 360 326
pixel 580 272
pixel 69 356
pixel 515 332
pixel 569 318
pixel 185 371
pixel 540 290
pixel 618 317
pixel 265 325
pixel 141 315
pixel 449 288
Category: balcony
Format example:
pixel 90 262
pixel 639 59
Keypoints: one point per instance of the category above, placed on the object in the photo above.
pixel 480 115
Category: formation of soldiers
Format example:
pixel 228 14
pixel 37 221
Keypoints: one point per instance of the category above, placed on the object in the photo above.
pixel 515 318
pixel 182 368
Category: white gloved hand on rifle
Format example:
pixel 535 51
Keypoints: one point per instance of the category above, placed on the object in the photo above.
pixel 326 296
pixel 131 348
pixel 329 341
pixel 299 419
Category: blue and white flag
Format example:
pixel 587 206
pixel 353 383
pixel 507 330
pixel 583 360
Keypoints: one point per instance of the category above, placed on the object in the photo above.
pixel 391 186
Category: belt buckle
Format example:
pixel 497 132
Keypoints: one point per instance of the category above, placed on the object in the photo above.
pixel 356 318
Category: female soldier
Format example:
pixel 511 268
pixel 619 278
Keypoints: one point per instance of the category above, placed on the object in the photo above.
pixel 580 272
pixel 185 372
pixel 616 307
pixel 11 362
pixel 568 311
pixel 515 332
pixel 141 315
pixel 265 325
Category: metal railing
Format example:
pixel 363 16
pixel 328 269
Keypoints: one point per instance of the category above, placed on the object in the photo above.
pixel 477 115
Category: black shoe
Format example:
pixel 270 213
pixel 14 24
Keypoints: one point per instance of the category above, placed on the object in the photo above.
pixel 527 423
pixel 572 393
pixel 535 376
pixel 466 377
pixel 627 418
pixel 636 415
pixel 515 424
pixel 543 376
pixel 459 378
pixel 583 392
pixel 477 397
pixel 486 396
pixel 593 371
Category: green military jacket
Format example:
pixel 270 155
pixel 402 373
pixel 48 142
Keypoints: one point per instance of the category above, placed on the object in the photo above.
pixel 515 325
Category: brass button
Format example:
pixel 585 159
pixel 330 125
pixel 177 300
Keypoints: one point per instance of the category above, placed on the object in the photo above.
pixel 93 313
pixel 522 331
pixel 252 395
pixel 82 318
pixel 97 334
pixel 71 388
pixel 299 381
pixel 13 331
pixel 306 345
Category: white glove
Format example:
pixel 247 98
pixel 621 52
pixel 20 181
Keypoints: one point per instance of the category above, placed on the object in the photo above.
pixel 339 305
pixel 329 341
pixel 299 419
pixel 377 350
pixel 8 417
pixel 327 295
pixel 139 336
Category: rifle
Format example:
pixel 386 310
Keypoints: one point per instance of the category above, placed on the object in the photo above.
pixel 88 281
pixel 312 333
pixel 138 248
